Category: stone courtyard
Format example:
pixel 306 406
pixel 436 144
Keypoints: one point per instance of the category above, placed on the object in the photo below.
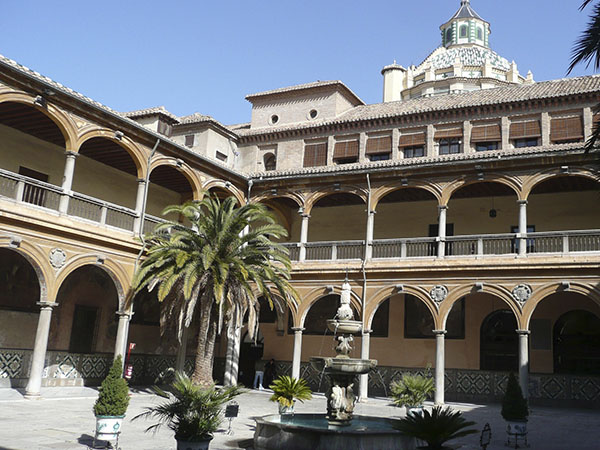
pixel 63 420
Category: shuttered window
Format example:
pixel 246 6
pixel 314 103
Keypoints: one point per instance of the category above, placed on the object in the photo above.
pixel 528 129
pixel 447 133
pixel 566 129
pixel 379 145
pixel 315 155
pixel 412 140
pixel 486 133
pixel 346 149
pixel 189 140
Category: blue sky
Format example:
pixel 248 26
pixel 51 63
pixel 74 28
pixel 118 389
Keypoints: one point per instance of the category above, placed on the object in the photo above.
pixel 201 56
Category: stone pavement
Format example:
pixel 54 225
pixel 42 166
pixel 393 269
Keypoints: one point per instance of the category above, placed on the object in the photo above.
pixel 64 420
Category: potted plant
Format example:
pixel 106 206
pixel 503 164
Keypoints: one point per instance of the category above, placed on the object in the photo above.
pixel 193 412
pixel 514 409
pixel 112 402
pixel 436 428
pixel 286 390
pixel 411 391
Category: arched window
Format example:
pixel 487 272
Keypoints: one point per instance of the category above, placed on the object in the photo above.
pixel 449 35
pixel 479 33
pixel 463 31
pixel 499 342
pixel 270 161
pixel 576 339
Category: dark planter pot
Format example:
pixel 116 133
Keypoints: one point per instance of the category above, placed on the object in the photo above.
pixel 197 445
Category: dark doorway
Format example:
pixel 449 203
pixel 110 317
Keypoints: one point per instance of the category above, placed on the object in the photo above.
pixel 577 343
pixel 251 352
pixel 83 329
pixel 499 342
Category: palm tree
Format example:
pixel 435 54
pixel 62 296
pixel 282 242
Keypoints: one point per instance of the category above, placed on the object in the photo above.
pixel 216 266
pixel 587 50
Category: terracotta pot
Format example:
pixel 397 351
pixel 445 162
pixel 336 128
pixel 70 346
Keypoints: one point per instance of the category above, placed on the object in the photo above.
pixel 198 445
pixel 108 427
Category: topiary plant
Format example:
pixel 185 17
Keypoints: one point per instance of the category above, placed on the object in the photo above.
pixel 412 390
pixel 113 398
pixel 437 427
pixel 514 405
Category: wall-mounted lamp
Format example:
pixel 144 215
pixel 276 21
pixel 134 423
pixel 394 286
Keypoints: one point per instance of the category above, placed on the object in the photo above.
pixel 119 135
pixel 40 101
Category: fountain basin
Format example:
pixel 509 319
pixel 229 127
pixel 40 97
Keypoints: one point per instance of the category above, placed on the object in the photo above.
pixel 313 432
pixel 345 365
pixel 337 326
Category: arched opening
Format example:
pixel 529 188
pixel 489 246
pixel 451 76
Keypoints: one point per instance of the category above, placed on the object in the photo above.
pixel 270 162
pixel 482 208
pixel 325 308
pixel 18 300
pixel 405 213
pixel 221 192
pixel 168 186
pixel 32 145
pixel 106 171
pixel 285 211
pixel 86 320
pixel 144 327
pixel 499 342
pixel 564 203
pixel 576 339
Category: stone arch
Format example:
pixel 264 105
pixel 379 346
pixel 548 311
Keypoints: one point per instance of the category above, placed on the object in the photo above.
pixel 456 294
pixel 540 293
pixel 184 169
pixel 281 306
pixel 115 271
pixel 381 191
pixel 133 150
pixel 62 120
pixel 294 196
pixel 318 195
pixel 386 292
pixel 38 261
pixel 227 186
pixel 451 188
pixel 316 294
pixel 532 181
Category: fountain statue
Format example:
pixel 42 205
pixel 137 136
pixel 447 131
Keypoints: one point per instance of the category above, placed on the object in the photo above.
pixel 339 429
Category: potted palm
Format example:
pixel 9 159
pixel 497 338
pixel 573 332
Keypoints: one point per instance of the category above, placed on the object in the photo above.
pixel 193 412
pixel 286 390
pixel 436 428
pixel 514 409
pixel 411 391
pixel 112 402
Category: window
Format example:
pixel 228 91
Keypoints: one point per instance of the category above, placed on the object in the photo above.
pixel 346 160
pixel 449 146
pixel 486 146
pixel 525 142
pixel 479 33
pixel 418 322
pixel 189 140
pixel 221 156
pixel 346 152
pixel 379 146
pixel 414 152
pixel 566 130
pixel 313 113
pixel 315 155
pixel 448 35
pixel 270 162
pixel 274 119
pixel 164 128
pixel 380 157
pixel 463 31
pixel 499 342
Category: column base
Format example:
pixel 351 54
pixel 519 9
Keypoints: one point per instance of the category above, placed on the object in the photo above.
pixel 32 396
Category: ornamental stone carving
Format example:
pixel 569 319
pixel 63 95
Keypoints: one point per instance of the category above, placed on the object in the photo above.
pixel 521 293
pixel 57 258
pixel 438 293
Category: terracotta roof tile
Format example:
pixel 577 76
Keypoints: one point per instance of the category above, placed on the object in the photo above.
pixel 306 86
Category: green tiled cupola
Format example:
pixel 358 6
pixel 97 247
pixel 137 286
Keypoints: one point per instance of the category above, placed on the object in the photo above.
pixel 465 27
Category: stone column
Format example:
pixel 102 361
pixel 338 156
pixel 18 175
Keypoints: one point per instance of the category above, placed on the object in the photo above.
pixel 34 384
pixel 440 359
pixel 232 358
pixel 370 227
pixel 297 359
pixel 522 226
pixel 63 206
pixel 182 351
pixel 303 235
pixel 139 204
pixel 122 333
pixel 442 209
pixel 364 354
pixel 524 361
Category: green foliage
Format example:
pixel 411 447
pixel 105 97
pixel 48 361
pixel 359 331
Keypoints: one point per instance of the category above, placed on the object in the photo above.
pixel 114 392
pixel 514 405
pixel 214 267
pixel 287 389
pixel 193 412
pixel 412 390
pixel 437 427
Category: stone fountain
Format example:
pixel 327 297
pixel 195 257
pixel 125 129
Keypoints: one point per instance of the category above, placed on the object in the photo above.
pixel 339 429
pixel 342 370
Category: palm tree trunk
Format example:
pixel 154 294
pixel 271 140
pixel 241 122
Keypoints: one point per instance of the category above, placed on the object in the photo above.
pixel 203 367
